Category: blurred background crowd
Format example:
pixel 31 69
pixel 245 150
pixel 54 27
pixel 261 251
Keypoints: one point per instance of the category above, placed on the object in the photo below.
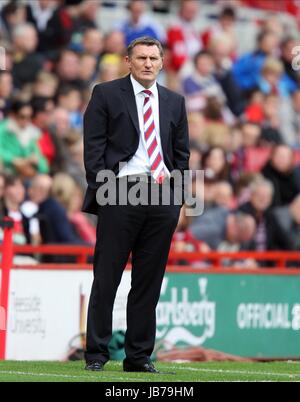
pixel 234 61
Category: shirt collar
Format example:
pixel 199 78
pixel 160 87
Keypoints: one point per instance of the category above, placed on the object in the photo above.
pixel 138 88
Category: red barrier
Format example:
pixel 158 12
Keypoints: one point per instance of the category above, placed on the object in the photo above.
pixel 212 260
pixel 6 265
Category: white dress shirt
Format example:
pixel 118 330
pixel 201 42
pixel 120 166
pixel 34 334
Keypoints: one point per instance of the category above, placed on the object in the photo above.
pixel 140 164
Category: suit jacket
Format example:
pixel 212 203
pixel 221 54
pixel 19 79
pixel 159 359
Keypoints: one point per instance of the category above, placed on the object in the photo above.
pixel 111 132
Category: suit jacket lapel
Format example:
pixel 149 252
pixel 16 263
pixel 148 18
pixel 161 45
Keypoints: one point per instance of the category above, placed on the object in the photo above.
pixel 164 111
pixel 129 99
pixel 164 118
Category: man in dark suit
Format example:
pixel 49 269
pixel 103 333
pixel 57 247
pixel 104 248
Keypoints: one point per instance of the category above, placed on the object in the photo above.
pixel 144 125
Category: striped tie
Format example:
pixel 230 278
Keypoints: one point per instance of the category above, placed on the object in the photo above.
pixel 155 157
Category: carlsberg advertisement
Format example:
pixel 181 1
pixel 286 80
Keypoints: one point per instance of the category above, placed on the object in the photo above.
pixel 246 315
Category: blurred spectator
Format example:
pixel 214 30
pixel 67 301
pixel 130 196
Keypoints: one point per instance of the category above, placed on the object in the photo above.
pixel 45 85
pixel 68 69
pixel 27 63
pixel 224 195
pixel 39 13
pixel 261 195
pixel 195 156
pixel 280 171
pixel 114 43
pixel 110 68
pixel 6 89
pixel 286 227
pixel 88 69
pixel 93 43
pixel 54 223
pixel 183 40
pixel 247 69
pixel 19 150
pixel 215 164
pixel 210 227
pixel 13 197
pixel 42 109
pixel 70 196
pixel 12 14
pixel 201 84
pixel 287 56
pixel 139 24
pixel 70 99
pixel 240 232
pixel 291 123
pixel 224 27
pixel 220 49
pixel 273 80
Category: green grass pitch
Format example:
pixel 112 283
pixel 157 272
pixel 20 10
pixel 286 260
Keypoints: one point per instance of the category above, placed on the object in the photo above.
pixel 11 371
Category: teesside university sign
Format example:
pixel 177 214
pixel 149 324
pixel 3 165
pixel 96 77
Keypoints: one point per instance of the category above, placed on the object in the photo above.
pixel 246 315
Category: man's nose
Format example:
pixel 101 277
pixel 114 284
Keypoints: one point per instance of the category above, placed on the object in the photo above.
pixel 148 63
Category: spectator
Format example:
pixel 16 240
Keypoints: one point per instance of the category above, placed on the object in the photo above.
pixel 13 197
pixel 27 63
pixel 6 89
pixel 70 196
pixel 183 40
pixel 114 43
pixel 13 14
pixel 19 150
pixel 139 24
pixel 88 69
pixel 220 49
pixel 202 84
pixel 68 69
pixel 55 225
pixel 247 69
pixel 280 171
pixel 210 227
pixel 224 27
pixel 215 164
pixel 93 43
pixel 273 80
pixel 42 109
pixel 286 227
pixel 261 194
pixel 240 232
pixel 290 121
pixel 39 13
pixel 45 85
pixel 287 56
pixel 110 68
pixel 70 99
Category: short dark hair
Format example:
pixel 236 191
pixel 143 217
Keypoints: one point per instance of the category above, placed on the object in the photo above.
pixel 228 12
pixel 11 179
pixel 147 41
pixel 202 53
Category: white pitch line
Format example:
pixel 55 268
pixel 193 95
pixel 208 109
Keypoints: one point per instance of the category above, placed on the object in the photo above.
pixel 290 375
pixel 22 373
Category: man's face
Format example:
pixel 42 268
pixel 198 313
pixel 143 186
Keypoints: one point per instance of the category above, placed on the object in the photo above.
pixel 145 64
pixel 262 198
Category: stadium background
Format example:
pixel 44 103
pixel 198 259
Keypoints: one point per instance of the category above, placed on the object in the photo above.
pixel 233 62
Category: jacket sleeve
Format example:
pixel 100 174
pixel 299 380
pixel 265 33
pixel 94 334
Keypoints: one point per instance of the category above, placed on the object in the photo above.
pixel 181 141
pixel 95 136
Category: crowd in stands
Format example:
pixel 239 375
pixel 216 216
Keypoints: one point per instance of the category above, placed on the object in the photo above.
pixel 243 112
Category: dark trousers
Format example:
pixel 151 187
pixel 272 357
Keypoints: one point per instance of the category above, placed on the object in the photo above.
pixel 145 231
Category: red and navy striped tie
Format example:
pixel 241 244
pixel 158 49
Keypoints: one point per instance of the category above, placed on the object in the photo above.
pixel 155 157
